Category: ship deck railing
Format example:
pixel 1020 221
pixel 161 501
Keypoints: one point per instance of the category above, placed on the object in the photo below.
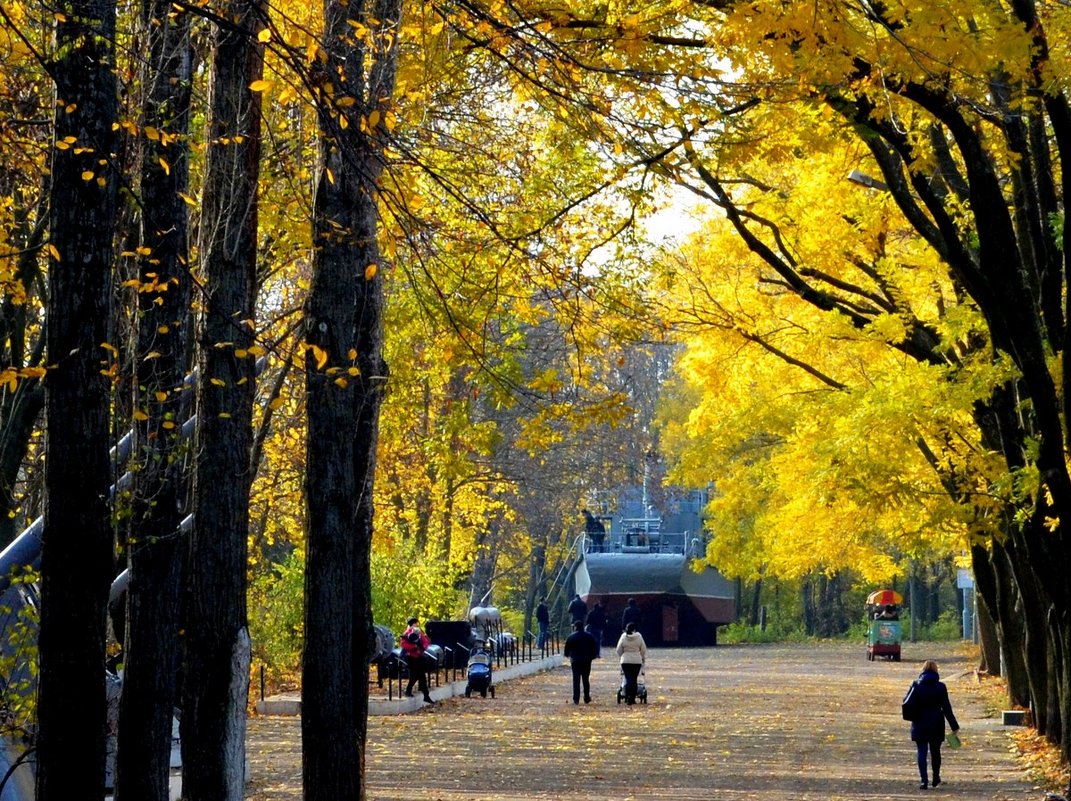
pixel 640 542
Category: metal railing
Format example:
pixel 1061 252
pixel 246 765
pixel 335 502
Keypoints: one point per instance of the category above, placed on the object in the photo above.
pixel 392 670
pixel 644 541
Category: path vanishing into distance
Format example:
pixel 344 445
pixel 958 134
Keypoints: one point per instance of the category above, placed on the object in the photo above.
pixel 758 722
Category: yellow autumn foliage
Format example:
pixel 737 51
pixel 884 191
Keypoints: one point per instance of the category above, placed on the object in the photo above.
pixel 810 425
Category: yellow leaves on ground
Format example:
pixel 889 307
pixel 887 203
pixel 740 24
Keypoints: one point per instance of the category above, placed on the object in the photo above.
pixel 1040 758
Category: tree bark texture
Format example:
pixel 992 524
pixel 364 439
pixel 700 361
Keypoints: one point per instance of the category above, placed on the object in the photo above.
pixel 344 379
pixel 156 554
pixel 330 759
pixel 77 559
pixel 216 670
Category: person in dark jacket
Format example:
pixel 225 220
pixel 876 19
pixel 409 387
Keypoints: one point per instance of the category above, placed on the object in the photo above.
pixel 543 620
pixel 580 648
pixel 596 625
pixel 578 610
pixel 595 529
pixel 632 614
pixel 932 708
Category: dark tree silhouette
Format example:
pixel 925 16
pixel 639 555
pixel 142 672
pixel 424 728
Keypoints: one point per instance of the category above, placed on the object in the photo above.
pixel 344 377
pixel 217 648
pixel 77 561
pixel 156 555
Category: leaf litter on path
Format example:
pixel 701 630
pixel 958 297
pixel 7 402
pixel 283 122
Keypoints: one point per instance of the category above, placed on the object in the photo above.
pixel 756 722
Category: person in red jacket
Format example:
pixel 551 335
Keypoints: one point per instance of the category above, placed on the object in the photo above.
pixel 414 643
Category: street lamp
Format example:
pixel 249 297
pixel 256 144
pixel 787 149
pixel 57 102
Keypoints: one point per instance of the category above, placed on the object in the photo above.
pixel 863 179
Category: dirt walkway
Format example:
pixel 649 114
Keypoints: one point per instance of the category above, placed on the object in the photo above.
pixel 763 723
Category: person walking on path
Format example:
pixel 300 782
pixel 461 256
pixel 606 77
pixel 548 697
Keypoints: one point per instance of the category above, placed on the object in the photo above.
pixel 633 652
pixel 414 644
pixel 596 626
pixel 543 621
pixel 928 706
pixel 580 649
pixel 578 610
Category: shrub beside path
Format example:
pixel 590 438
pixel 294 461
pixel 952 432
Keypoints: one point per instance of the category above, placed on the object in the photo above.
pixel 755 722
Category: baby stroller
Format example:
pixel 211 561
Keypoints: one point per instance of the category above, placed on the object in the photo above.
pixel 641 688
pixel 479 673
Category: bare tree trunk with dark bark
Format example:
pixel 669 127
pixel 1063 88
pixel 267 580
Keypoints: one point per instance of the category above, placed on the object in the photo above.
pixel 345 375
pixel 367 403
pixel 77 559
pixel 155 545
pixel 328 720
pixel 217 647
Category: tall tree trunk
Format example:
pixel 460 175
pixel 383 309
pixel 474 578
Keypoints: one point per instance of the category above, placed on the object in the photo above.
pixel 78 555
pixel 345 377
pixel 987 620
pixel 423 503
pixel 988 642
pixel 446 517
pixel 809 614
pixel 217 654
pixel 536 589
pixel 330 765
pixel 155 551
pixel 999 594
pixel 756 603
pixel 483 571
pixel 830 616
pixel 383 17
pixel 372 370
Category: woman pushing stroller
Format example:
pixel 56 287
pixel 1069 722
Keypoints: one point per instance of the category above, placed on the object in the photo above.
pixel 633 652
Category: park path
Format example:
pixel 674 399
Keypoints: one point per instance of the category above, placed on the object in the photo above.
pixel 755 722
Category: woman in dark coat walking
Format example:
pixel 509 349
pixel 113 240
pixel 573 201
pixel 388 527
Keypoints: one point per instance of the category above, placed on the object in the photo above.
pixel 931 707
